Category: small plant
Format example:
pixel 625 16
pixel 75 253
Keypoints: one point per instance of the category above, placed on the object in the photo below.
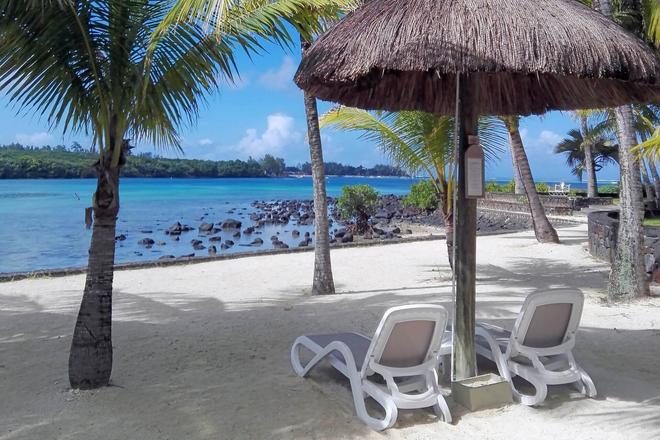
pixel 542 188
pixel 494 187
pixel 608 189
pixel 422 196
pixel 358 203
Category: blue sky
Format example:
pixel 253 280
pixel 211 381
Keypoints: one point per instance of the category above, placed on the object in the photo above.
pixel 263 113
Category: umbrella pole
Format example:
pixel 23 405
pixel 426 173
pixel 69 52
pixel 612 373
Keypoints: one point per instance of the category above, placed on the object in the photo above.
pixel 465 236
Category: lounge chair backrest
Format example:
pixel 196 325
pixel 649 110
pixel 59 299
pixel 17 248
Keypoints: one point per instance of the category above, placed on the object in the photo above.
pixel 548 319
pixel 407 336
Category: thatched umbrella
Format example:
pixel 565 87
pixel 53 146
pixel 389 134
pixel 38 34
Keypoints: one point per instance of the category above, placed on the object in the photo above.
pixel 477 57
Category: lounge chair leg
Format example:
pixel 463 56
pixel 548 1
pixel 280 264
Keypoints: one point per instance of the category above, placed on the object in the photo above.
pixel 541 392
pixel 391 411
pixel 588 387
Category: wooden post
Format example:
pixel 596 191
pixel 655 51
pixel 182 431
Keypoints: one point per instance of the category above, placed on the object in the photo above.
pixel 465 237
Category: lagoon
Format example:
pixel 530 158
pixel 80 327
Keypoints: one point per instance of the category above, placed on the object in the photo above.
pixel 43 224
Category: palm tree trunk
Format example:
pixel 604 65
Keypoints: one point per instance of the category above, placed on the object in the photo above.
pixel 646 181
pixel 592 183
pixel 90 358
pixel 519 188
pixel 323 283
pixel 628 275
pixel 656 179
pixel 544 231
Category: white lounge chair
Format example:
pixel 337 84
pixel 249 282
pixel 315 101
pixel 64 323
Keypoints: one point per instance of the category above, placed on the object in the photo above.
pixel 407 345
pixel 539 349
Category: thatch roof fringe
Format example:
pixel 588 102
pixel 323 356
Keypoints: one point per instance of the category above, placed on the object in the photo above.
pixel 537 55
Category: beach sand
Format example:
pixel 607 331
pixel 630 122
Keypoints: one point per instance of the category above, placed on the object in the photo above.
pixel 202 351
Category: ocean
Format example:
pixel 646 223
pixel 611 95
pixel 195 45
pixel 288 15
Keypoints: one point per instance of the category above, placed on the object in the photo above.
pixel 42 221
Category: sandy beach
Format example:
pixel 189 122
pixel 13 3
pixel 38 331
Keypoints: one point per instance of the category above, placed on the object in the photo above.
pixel 202 351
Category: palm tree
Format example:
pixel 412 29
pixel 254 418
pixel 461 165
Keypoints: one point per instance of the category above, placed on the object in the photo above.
pixel 420 143
pixel 603 151
pixel 543 230
pixel 118 70
pixel 628 277
pixel 587 149
pixel 323 282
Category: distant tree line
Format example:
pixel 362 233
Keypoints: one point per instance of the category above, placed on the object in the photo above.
pixel 338 169
pixel 21 162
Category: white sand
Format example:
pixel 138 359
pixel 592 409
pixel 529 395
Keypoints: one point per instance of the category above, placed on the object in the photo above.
pixel 202 351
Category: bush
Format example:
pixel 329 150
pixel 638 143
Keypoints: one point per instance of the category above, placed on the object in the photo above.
pixel 542 188
pixel 358 202
pixel 422 196
pixel 608 189
pixel 494 187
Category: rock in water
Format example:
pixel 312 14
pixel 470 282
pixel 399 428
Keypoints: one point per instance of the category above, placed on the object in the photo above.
pixel 257 242
pixel 146 242
pixel 206 227
pixel 120 237
pixel 231 224
pixel 213 250
pixel 347 238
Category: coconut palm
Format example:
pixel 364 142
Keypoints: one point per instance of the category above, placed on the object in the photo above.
pixel 628 277
pixel 544 231
pixel 420 143
pixel 323 282
pixel 118 70
pixel 604 151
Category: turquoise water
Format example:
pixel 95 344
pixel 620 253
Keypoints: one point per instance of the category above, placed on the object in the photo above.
pixel 42 221
pixel 43 225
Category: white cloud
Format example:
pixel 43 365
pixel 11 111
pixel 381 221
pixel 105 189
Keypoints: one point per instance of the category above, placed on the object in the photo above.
pixel 35 139
pixel 280 132
pixel 549 138
pixel 545 140
pixel 280 78
pixel 205 142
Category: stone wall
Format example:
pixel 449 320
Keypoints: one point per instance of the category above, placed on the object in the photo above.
pixel 603 233
pixel 553 205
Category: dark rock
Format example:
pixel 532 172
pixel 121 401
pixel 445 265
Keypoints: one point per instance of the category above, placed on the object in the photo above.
pixel 197 245
pixel 161 243
pixel 177 228
pixel 295 233
pixel 236 234
pixel 187 256
pixel 215 238
pixel 147 242
pixel 280 245
pixel 231 224
pixel 304 243
pixel 347 238
pixel 147 231
pixel 396 230
pixel 249 230
pixel 257 242
pixel 340 233
pixel 229 243
pixel 213 250
pixel 206 227
pixel 408 231
pixel 120 237
pixel 166 257
pixel 139 254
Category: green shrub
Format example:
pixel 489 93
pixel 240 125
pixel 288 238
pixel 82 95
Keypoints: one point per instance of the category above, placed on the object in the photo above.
pixel 608 189
pixel 542 187
pixel 422 196
pixel 358 202
pixel 494 187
